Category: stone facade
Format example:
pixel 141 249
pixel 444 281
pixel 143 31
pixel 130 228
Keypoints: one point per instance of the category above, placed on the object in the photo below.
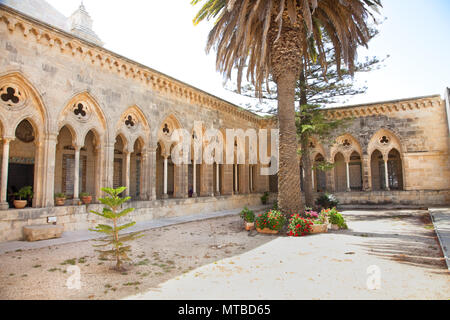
pixel 75 117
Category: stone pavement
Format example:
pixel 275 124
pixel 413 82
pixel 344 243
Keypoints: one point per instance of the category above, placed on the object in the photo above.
pixel 383 256
pixel 441 221
pixel 83 235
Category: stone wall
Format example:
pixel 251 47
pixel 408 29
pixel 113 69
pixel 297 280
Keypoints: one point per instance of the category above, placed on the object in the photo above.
pixel 79 217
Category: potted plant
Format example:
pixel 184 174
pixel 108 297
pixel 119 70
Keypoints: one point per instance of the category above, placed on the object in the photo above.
pixel 265 197
pixel 299 226
pixel 336 219
pixel 319 223
pixel 24 194
pixel 60 199
pixel 270 222
pixel 85 197
pixel 249 218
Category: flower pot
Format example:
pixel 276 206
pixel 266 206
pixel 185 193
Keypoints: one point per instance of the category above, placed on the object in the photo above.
pixel 249 226
pixel 334 227
pixel 319 228
pixel 267 230
pixel 87 199
pixel 60 201
pixel 20 204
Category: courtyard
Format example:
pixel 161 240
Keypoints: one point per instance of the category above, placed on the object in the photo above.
pixel 217 259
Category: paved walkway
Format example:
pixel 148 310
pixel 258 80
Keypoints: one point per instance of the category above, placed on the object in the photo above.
pixel 383 255
pixel 441 221
pixel 83 235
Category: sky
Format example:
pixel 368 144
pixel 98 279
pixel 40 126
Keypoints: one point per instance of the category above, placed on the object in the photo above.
pixel 415 34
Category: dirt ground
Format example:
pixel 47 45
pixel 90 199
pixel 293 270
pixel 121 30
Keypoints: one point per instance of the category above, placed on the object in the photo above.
pixel 401 242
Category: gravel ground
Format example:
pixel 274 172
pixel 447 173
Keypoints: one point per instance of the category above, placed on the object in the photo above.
pixel 217 259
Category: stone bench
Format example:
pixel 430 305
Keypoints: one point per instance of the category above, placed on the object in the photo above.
pixel 42 232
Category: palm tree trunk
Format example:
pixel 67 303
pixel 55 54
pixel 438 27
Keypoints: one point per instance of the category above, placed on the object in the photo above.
pixel 304 140
pixel 307 167
pixel 289 196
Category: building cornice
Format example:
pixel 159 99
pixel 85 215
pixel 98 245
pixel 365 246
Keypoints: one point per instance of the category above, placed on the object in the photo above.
pixel 383 108
pixel 74 46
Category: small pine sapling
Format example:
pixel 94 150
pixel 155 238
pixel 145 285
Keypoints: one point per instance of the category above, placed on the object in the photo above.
pixel 119 251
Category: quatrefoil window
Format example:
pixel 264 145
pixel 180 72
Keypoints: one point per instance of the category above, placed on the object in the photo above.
pixel 10 95
pixel 346 143
pixel 384 140
pixel 79 110
pixel 312 145
pixel 166 129
pixel 129 122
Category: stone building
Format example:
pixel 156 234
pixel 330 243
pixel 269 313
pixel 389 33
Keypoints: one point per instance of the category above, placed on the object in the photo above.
pixel 75 117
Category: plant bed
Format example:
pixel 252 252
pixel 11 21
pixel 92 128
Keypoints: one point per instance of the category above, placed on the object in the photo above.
pixel 86 198
pixel 267 231
pixel 249 226
pixel 270 222
pixel 319 228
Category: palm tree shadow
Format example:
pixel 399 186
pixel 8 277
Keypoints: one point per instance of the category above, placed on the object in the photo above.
pixel 418 247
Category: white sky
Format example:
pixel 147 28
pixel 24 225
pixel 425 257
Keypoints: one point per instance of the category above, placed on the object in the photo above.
pixel 160 34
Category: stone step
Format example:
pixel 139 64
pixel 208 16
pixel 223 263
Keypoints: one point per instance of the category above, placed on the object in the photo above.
pixel 42 232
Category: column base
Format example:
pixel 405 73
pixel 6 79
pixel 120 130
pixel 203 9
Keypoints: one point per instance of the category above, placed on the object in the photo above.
pixel 76 202
pixel 217 194
pixel 4 205
pixel 349 190
pixel 194 195
pixel 165 196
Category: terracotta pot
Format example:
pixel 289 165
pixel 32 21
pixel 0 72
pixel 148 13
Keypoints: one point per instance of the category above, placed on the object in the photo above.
pixel 319 228
pixel 20 204
pixel 267 230
pixel 87 199
pixel 249 226
pixel 60 201
pixel 334 227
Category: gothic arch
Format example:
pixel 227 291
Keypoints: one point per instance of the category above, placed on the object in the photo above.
pixel 20 101
pixel 345 144
pixel 133 124
pixel 83 113
pixel 385 140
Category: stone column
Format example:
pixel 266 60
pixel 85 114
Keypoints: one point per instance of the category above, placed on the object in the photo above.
pixel 386 173
pixel 49 170
pixel 217 180
pixel 165 196
pixel 366 176
pixel 152 174
pixel 312 180
pixel 109 165
pixel 5 163
pixel 250 172
pixel 194 178
pixel 127 172
pixel 347 169
pixel 76 179
pixel 236 180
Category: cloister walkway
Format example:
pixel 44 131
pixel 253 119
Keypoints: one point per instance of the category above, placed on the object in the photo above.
pixel 76 236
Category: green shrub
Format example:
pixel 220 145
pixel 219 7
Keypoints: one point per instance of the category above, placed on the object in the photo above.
pixel 25 193
pixel 275 205
pixel 265 197
pixel 247 215
pixel 327 201
pixel 334 217
pixel 60 195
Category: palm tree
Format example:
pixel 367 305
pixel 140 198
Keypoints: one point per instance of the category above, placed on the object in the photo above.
pixel 280 38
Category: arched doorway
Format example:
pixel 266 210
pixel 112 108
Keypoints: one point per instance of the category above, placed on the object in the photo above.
pixel 119 162
pixel 340 173
pixel 320 182
pixel 395 171
pixel 355 172
pixel 161 158
pixel 377 171
pixel 22 155
pixel 136 170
